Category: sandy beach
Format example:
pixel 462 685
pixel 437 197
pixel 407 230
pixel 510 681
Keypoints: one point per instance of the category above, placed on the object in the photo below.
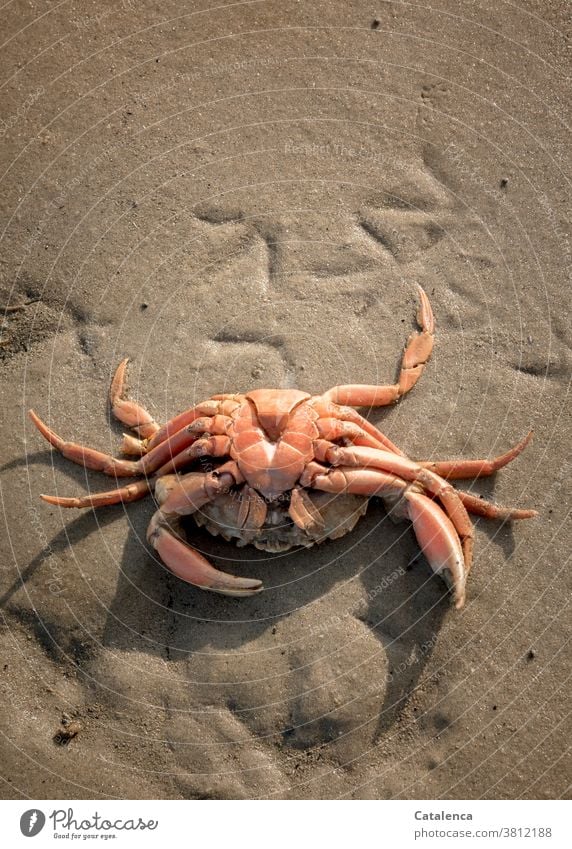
pixel 248 195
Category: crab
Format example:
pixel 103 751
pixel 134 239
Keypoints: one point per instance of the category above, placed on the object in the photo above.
pixel 279 468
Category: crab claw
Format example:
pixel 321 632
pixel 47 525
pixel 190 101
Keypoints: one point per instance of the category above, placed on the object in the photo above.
pixel 439 542
pixel 187 564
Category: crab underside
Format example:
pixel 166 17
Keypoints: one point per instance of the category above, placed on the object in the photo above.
pixel 283 469
pixel 340 514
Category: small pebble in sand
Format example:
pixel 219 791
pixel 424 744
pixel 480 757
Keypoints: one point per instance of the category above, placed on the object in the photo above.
pixel 531 654
pixel 68 730
pixel 375 23
pixel 504 183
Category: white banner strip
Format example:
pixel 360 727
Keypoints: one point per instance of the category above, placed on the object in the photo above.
pixel 288 824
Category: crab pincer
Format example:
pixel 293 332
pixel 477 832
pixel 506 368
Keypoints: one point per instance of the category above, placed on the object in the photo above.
pixel 182 497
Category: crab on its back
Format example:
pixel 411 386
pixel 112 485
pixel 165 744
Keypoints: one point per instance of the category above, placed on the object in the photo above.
pixel 288 469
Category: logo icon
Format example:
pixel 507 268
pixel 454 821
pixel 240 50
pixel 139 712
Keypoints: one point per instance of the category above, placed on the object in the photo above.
pixel 32 822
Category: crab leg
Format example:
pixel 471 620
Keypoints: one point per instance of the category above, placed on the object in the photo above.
pixel 138 447
pixel 448 469
pixel 214 406
pixel 132 446
pixel 459 469
pixel 126 410
pixel 88 457
pixel 190 566
pixel 123 495
pixel 253 509
pixel 92 459
pixel 209 446
pixel 439 543
pixel 348 414
pixel 132 414
pixel 480 507
pixel 304 512
pixel 412 472
pixel 170 450
pixel 328 410
pixel 181 497
pixel 214 446
pixel 415 357
pixel 176 447
pixel 434 530
pixel 332 429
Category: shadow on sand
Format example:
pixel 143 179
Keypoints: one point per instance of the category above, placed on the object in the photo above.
pixel 153 612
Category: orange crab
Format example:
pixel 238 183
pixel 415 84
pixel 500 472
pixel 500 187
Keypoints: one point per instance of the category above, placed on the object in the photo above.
pixel 286 468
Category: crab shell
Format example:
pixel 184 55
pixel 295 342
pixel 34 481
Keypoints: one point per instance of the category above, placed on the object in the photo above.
pixel 340 514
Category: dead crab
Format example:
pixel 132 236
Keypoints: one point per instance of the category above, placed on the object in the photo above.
pixel 288 469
